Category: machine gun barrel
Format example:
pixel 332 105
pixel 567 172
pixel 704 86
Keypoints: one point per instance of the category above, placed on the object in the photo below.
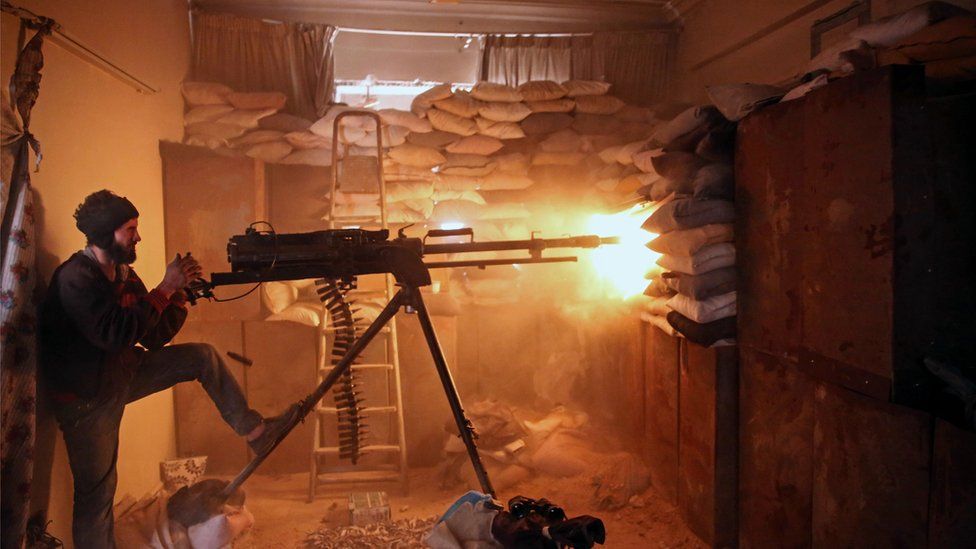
pixel 533 245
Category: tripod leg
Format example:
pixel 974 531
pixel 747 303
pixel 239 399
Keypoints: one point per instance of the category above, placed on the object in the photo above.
pixel 463 423
pixel 309 402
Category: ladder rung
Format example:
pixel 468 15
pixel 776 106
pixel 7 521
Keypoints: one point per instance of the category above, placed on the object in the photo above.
pixel 357 476
pixel 362 450
pixel 361 367
pixel 333 409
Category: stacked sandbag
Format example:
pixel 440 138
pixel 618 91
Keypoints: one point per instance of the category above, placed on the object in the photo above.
pixel 219 118
pixel 695 295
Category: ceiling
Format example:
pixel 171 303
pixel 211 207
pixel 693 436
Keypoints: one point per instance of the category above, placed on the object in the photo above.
pixel 463 16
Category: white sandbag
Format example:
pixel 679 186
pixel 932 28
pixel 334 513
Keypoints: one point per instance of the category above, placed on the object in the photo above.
pixel 392 136
pixel 735 101
pixel 688 242
pixel 409 154
pixel 407 119
pixel 844 57
pixel 516 163
pixel 271 151
pixel 311 157
pixel 598 104
pixel 891 30
pixel 562 141
pixel 541 90
pixel 324 126
pixel 464 160
pixel 307 140
pixel 445 121
pixel 504 181
pixel 423 101
pixel 459 104
pixel 687 121
pixel 309 314
pixel 504 112
pixel 205 113
pixel 205 93
pixel 709 258
pixel 625 155
pixel 490 91
pixel 407 190
pixel 578 88
pixel 476 144
pixel 803 89
pixel 499 130
pixel 255 137
pixel 245 118
pixel 470 171
pixel 706 310
pixel 471 196
pixel 208 141
pixel 277 296
pixel 566 104
pixel 284 122
pixel 643 160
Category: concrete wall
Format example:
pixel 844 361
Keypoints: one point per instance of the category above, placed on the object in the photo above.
pixel 97 132
pixel 712 26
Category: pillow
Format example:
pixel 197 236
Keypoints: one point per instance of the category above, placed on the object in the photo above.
pixel 436 139
pixel 688 241
pixel 456 183
pixel 707 310
pixel 504 112
pixel 466 160
pixel 417 156
pixel 709 258
pixel 284 122
pixel 205 113
pixel 513 162
pixel 308 314
pixel 504 181
pixel 562 141
pixel 490 91
pixel 472 196
pixel 578 88
pixel 714 181
pixel 556 105
pixel 688 213
pixel 735 101
pixel 204 93
pixel 445 121
pixel 271 151
pixel 460 104
pixel 311 157
pixel 545 122
pixel 476 144
pixel 470 172
pixel 407 119
pixel 277 296
pixel 499 130
pixel 215 129
pixel 703 286
pixel 257 100
pixel 409 190
pixel 255 137
pixel 557 159
pixel 422 102
pixel 308 140
pixel 644 160
pixel 541 90
pixel 208 141
pixel 596 124
pixel 598 104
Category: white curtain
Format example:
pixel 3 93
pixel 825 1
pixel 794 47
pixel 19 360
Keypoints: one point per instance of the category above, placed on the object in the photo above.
pixel 257 55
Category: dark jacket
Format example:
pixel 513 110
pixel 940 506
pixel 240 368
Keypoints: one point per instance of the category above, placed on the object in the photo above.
pixel 90 327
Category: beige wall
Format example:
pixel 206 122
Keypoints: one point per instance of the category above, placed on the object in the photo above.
pixel 96 132
pixel 711 26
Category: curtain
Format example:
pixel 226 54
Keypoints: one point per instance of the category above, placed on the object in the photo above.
pixel 637 64
pixel 18 309
pixel 257 55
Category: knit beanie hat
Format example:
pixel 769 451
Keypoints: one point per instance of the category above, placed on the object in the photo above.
pixel 101 214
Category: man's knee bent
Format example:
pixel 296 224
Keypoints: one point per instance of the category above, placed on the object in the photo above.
pixel 204 357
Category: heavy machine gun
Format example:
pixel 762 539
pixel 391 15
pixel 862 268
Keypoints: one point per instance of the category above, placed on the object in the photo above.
pixel 337 257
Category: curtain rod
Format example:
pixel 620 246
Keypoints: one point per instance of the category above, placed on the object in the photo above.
pixel 64 39
pixel 461 34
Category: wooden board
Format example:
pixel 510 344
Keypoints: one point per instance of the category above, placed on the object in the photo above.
pixel 296 197
pixel 775 452
pixel 207 199
pixel 661 411
pixel 199 428
pixel 871 469
pixel 425 409
pixel 707 442
pixel 284 355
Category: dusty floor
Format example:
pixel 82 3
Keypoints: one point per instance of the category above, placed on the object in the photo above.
pixel 283 518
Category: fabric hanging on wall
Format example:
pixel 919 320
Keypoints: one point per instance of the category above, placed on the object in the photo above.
pixel 18 369
pixel 253 55
pixel 637 64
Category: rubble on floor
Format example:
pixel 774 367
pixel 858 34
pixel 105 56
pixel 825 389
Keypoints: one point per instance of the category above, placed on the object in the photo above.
pixel 400 534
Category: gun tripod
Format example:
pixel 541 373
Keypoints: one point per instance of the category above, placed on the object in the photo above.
pixel 406 296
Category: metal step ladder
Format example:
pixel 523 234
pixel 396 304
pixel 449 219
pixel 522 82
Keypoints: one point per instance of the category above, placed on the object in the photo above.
pixel 395 468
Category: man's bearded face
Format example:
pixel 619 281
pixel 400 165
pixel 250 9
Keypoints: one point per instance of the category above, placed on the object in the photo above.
pixel 123 250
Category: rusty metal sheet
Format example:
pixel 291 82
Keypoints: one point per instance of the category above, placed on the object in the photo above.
pixel 200 431
pixel 661 410
pixel 871 469
pixel 953 507
pixel 775 451
pixel 708 442
pixel 768 173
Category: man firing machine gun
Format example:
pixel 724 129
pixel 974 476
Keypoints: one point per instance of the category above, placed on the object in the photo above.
pixel 335 258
